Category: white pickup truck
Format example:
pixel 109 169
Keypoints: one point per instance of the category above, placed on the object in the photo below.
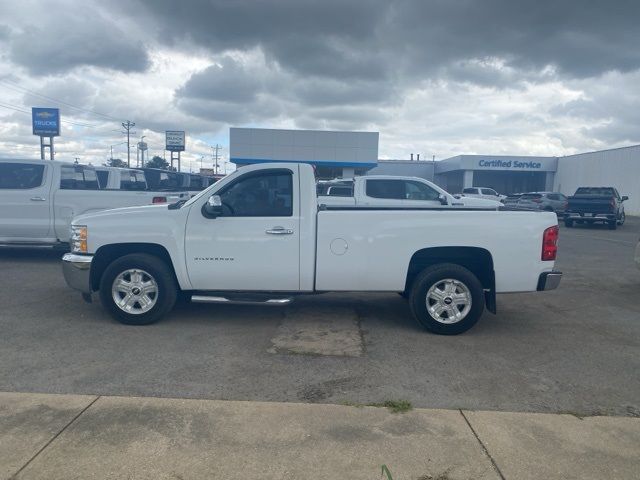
pixel 259 236
pixel 38 198
pixel 394 191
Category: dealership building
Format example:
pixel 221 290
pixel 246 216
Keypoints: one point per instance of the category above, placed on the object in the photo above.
pixel 345 154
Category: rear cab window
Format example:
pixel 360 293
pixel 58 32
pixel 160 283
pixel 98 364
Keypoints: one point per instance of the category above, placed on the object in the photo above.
pixel 20 176
pixel 132 180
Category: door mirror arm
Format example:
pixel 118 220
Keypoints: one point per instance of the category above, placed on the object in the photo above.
pixel 213 207
pixel 443 199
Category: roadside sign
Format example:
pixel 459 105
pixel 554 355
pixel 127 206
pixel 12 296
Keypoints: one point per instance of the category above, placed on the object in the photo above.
pixel 175 140
pixel 45 121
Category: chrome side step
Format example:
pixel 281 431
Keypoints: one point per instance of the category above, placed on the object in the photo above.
pixel 241 300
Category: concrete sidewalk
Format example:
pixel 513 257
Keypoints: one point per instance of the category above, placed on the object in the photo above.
pixel 75 436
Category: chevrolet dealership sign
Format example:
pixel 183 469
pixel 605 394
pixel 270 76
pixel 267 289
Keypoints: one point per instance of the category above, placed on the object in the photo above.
pixel 45 121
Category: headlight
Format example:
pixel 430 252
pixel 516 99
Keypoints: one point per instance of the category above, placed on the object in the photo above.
pixel 79 238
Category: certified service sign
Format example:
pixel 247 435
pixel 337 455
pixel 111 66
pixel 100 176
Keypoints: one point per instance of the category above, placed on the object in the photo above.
pixel 175 140
pixel 45 121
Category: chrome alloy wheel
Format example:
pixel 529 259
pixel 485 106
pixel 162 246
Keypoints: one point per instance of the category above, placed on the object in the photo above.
pixel 448 301
pixel 134 291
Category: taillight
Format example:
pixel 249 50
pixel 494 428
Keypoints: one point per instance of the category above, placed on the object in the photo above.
pixel 613 204
pixel 550 243
pixel 159 200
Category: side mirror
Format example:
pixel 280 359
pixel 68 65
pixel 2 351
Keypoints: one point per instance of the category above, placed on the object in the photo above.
pixel 213 207
pixel 625 198
pixel 443 199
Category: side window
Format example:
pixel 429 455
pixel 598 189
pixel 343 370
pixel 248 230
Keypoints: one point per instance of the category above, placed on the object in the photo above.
pixel 340 192
pixel 390 189
pixel 263 195
pixel 469 190
pixel 77 177
pixel 489 191
pixel 20 176
pixel 420 191
pixel 132 181
pixel 103 178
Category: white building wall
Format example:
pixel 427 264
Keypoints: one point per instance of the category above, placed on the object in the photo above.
pixel 319 147
pixel 619 168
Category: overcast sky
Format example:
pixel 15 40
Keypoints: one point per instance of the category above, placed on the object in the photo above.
pixel 437 78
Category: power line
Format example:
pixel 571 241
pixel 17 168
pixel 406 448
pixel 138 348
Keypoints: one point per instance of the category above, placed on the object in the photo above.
pixel 19 109
pixel 18 88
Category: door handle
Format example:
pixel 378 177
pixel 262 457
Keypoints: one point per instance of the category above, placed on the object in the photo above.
pixel 279 231
pixel 38 199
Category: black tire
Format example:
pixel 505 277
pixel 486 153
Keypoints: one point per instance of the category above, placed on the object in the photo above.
pixel 622 218
pixel 158 270
pixel 432 276
pixel 568 223
pixel 612 225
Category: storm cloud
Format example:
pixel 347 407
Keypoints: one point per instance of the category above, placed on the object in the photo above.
pixel 437 76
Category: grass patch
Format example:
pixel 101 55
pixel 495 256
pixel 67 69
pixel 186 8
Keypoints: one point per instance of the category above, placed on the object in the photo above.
pixel 394 406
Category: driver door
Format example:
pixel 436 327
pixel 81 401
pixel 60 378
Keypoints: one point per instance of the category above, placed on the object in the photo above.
pixel 254 245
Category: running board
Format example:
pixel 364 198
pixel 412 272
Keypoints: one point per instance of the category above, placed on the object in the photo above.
pixel 242 300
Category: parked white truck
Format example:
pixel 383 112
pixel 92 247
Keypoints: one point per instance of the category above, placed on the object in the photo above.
pixel 394 191
pixel 38 198
pixel 259 236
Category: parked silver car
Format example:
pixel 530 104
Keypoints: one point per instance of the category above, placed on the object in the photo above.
pixel 547 201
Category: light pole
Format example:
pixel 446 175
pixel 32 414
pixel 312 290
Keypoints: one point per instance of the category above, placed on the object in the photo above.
pixel 111 147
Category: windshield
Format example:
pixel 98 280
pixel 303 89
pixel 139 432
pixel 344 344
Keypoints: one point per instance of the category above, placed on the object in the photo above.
pixel 594 191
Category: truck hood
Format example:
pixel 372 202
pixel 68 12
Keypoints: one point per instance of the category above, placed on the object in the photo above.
pixel 478 202
pixel 124 212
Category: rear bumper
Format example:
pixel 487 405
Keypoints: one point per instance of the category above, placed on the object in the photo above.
pixel 594 217
pixel 77 271
pixel 549 280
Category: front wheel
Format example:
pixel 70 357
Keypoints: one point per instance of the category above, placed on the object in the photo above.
pixel 447 299
pixel 138 289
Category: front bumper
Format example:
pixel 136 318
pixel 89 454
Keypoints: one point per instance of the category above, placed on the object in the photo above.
pixel 77 271
pixel 549 280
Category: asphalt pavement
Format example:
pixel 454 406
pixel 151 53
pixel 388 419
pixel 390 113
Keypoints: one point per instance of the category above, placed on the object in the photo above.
pixel 573 350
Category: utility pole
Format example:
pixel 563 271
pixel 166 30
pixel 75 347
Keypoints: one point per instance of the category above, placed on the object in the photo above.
pixel 128 125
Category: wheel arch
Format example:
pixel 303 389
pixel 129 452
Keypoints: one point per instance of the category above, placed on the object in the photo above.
pixel 475 259
pixel 106 254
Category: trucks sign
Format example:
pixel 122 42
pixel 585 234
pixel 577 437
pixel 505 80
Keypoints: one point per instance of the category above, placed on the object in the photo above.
pixel 45 121
pixel 175 140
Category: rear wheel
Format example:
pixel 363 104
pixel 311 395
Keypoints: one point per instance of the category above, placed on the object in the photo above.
pixel 622 218
pixel 447 299
pixel 138 289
